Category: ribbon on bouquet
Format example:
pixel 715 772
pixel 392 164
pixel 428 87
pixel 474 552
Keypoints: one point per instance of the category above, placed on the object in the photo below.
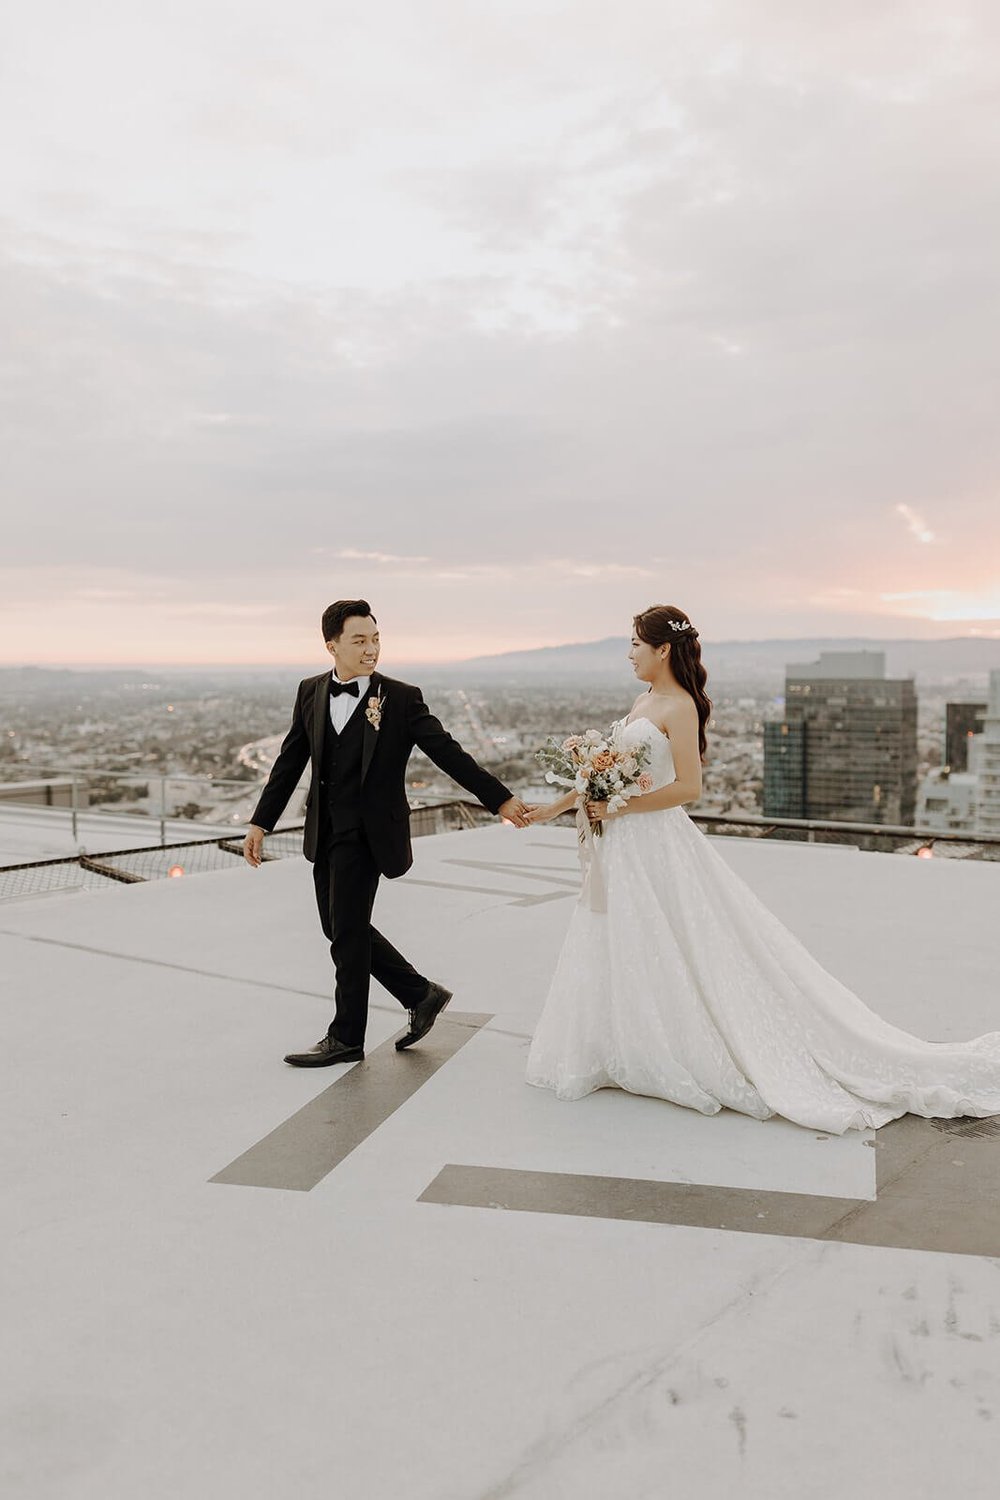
pixel 592 891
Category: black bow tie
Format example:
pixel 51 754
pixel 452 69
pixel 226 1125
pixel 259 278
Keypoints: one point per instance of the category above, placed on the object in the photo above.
pixel 336 688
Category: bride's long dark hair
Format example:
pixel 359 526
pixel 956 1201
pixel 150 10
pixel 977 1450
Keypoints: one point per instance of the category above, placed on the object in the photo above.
pixel 666 625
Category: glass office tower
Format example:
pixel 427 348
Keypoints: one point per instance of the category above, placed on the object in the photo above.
pixel 846 748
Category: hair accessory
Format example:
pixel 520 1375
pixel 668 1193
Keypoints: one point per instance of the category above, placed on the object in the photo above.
pixel 680 625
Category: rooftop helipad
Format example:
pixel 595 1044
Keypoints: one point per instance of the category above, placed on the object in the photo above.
pixel 419 1277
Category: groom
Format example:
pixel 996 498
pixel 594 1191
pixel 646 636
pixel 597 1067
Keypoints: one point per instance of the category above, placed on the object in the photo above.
pixel 357 728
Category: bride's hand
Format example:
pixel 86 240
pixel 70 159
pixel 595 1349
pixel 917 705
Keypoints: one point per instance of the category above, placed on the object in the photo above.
pixel 598 812
pixel 540 814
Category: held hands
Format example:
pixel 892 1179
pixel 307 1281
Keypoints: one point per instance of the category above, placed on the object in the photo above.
pixel 515 811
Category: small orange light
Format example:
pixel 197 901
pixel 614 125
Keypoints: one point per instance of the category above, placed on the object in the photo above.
pixel 175 870
pixel 926 852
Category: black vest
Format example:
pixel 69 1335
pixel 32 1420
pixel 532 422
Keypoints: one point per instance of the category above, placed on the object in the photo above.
pixel 340 775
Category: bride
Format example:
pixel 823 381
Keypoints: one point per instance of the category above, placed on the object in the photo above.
pixel 688 988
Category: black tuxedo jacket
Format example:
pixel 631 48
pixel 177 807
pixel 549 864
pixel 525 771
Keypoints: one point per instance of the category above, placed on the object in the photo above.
pixel 406 721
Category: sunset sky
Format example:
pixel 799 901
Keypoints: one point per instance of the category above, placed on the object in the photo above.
pixel 514 317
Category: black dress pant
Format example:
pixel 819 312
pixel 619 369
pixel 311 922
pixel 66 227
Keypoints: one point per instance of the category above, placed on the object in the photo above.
pixel 346 879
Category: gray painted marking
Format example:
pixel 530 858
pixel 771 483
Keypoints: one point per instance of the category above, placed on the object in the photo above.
pixel 515 898
pixel 563 881
pixel 637 1199
pixel 548 875
pixel 928 1198
pixel 307 1146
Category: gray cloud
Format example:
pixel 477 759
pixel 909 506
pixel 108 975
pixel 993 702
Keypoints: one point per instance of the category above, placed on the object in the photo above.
pixel 710 286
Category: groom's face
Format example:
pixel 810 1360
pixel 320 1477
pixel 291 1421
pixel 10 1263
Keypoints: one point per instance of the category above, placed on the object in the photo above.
pixel 355 651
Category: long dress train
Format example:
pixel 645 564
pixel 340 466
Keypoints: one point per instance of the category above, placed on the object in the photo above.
pixel 688 988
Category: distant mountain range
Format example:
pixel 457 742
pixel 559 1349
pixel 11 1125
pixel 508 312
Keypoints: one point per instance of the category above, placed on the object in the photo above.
pixel 753 664
pixel 738 661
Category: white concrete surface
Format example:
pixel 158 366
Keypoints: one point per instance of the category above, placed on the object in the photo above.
pixel 170 1337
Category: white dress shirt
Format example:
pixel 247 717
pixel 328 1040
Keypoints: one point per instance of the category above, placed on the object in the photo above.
pixel 343 706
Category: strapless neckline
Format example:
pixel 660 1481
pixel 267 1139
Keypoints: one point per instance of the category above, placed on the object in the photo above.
pixel 642 719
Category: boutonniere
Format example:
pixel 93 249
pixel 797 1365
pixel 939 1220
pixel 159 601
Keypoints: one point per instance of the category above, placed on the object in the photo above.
pixel 373 712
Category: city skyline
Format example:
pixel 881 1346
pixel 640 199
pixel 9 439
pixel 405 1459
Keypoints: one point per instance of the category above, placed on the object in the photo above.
pixel 957 659
pixel 512 319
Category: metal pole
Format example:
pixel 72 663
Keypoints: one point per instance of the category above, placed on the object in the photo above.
pixel 163 811
pixel 75 838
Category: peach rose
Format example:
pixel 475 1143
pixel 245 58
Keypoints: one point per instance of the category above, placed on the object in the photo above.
pixel 604 761
pixel 645 782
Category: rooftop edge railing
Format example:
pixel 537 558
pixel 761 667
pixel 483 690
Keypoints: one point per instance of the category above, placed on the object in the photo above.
pixel 193 856
pixel 58 777
pixel 813 826
pixel 78 779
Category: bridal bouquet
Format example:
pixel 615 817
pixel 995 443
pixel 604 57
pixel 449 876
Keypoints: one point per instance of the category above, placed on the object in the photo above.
pixel 596 765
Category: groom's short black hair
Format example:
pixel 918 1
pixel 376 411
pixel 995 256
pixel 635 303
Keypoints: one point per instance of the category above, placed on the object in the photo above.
pixel 335 614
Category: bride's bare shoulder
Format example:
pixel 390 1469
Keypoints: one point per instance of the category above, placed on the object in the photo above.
pixel 676 715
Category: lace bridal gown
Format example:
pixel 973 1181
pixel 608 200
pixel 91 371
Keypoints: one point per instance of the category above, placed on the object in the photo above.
pixel 687 988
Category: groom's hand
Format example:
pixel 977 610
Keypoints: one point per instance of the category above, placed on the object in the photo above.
pixel 514 811
pixel 252 845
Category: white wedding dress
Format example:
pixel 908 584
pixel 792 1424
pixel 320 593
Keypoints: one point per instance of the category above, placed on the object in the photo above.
pixel 689 989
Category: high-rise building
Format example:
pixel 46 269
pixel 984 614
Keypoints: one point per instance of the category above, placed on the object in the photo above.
pixel 846 749
pixel 988 762
pixel 962 721
pixel 785 770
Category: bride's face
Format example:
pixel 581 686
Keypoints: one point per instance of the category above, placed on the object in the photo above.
pixel 646 660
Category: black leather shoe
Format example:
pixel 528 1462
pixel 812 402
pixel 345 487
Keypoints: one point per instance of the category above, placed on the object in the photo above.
pixel 423 1016
pixel 325 1052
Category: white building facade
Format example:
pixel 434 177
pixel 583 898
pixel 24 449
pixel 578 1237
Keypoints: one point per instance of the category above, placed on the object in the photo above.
pixel 988 764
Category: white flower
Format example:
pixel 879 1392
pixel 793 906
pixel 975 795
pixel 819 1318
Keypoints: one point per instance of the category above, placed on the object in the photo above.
pixel 616 803
pixel 581 782
pixel 550 777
